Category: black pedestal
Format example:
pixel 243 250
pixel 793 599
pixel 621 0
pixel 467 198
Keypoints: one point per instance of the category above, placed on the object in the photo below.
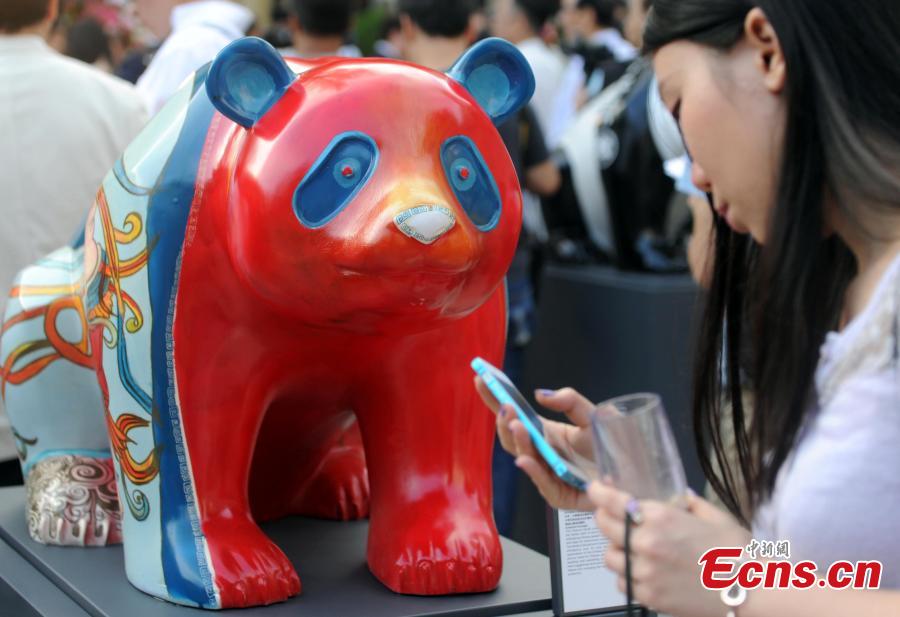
pixel 38 580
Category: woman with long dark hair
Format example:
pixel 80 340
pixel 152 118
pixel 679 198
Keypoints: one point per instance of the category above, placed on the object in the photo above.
pixel 790 110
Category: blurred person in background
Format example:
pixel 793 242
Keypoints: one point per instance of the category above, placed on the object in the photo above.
pixel 600 55
pixel 616 204
pixel 388 44
pixel 629 15
pixel 597 25
pixel 567 21
pixel 64 124
pixel 86 41
pixel 521 22
pixel 135 62
pixel 140 44
pixel 435 33
pixel 480 22
pixel 605 51
pixel 278 34
pixel 102 30
pixel 635 18
pixel 194 31
pixel 319 28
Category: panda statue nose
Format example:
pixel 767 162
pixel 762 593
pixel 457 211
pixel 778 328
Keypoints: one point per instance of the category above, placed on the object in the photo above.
pixel 425 223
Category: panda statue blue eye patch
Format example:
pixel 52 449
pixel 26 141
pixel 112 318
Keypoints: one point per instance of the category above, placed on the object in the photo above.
pixel 340 172
pixel 471 181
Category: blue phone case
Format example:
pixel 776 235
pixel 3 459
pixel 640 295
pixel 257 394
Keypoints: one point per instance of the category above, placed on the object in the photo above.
pixel 566 471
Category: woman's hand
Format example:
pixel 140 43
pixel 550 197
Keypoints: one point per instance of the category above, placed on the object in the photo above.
pixel 572 441
pixel 665 548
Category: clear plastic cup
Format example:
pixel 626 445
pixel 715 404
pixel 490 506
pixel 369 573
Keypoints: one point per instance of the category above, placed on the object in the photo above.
pixel 635 450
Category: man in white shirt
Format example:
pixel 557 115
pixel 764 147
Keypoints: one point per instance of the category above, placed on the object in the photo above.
pixel 63 124
pixel 196 31
pixel 521 22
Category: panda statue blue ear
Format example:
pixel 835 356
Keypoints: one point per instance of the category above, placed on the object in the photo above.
pixel 497 75
pixel 246 78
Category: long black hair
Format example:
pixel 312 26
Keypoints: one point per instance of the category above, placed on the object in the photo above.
pixel 773 305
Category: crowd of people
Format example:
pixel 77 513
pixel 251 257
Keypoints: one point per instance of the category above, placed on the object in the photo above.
pixel 792 183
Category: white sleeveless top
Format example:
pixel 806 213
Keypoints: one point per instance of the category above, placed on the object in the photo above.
pixel 837 497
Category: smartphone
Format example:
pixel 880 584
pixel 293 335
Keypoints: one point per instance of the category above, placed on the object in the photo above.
pixel 506 393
